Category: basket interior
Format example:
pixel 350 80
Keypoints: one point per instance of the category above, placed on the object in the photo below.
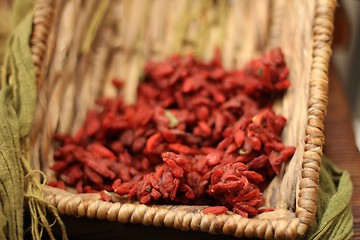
pixel 92 42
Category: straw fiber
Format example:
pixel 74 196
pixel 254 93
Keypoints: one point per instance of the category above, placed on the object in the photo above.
pixel 79 46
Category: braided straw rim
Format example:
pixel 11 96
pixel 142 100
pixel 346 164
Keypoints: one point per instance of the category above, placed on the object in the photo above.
pixel 314 140
pixel 43 17
pixel 188 217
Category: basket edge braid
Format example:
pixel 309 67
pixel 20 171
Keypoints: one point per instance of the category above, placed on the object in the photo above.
pixel 42 21
pixel 306 210
pixel 314 140
pixel 179 217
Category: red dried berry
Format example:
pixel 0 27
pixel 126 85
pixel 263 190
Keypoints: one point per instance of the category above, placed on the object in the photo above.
pixel 105 196
pixel 198 134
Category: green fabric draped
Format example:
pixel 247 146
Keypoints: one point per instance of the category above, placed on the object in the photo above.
pixel 334 218
pixel 19 186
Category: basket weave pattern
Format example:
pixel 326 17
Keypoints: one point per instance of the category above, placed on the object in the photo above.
pixel 72 72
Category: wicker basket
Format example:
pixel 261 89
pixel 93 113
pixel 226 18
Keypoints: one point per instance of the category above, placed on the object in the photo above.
pixel 121 35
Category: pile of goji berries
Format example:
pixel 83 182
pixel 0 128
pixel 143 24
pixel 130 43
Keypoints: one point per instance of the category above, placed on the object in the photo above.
pixel 198 134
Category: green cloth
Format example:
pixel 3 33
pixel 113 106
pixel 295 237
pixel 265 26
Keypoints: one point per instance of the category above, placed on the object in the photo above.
pixel 16 107
pixel 19 188
pixel 334 216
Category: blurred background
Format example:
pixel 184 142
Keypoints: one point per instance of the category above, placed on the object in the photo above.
pixel 346 56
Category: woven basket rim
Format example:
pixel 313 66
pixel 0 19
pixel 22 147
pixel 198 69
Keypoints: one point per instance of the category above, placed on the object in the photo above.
pixel 322 36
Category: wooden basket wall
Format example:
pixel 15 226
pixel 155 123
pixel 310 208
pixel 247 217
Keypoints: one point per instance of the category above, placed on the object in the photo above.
pixel 71 73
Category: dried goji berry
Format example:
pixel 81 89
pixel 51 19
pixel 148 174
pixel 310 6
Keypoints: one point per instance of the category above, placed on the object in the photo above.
pixel 180 148
pixel 138 144
pixel 169 136
pixel 152 142
pixel 198 134
pixel 117 83
pixel 105 196
pixel 100 168
pixel 101 151
pixel 94 177
pixel 217 210
pixel 58 184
